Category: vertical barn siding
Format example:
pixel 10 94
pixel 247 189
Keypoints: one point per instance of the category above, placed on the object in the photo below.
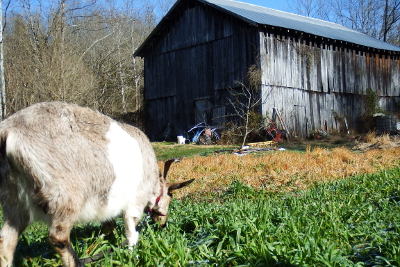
pixel 308 78
pixel 203 51
pixel 304 111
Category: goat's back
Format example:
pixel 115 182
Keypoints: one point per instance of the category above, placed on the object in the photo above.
pixel 66 160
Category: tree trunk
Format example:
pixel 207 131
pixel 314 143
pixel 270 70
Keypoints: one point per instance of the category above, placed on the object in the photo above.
pixel 2 81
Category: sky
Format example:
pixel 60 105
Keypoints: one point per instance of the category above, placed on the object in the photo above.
pixel 275 4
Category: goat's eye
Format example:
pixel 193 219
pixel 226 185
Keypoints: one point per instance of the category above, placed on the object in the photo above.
pixel 169 194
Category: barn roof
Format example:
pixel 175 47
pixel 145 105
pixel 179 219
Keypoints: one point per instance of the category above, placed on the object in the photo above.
pixel 272 17
pixel 258 15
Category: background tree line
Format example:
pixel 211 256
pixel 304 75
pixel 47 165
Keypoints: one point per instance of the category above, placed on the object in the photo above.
pixel 75 51
pixel 81 51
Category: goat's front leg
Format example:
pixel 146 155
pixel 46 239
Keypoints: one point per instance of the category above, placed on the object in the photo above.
pixel 131 231
pixel 60 238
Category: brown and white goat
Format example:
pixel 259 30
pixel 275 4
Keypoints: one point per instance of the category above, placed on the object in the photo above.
pixel 64 164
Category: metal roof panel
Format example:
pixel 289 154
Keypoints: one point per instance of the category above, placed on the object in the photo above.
pixel 272 17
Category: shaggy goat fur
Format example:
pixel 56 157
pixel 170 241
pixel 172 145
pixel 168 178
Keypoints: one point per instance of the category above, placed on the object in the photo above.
pixel 64 164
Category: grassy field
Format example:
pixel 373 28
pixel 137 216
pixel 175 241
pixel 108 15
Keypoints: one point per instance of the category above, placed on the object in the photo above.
pixel 297 167
pixel 305 206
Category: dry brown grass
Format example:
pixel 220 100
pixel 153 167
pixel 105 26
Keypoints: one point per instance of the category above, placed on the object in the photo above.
pixel 371 140
pixel 283 170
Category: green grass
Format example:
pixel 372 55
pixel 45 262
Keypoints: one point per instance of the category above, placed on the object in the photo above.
pixel 168 150
pixel 352 222
pixel 165 150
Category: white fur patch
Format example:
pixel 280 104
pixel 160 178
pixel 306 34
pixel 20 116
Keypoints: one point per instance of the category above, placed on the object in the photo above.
pixel 133 239
pixel 126 158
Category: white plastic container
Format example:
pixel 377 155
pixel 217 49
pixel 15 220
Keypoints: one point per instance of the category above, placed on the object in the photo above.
pixel 181 139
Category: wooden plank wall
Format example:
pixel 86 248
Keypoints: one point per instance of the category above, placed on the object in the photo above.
pixel 202 53
pixel 310 80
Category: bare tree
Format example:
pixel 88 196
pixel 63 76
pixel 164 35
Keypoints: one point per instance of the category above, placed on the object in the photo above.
pixel 2 81
pixel 391 18
pixel 377 18
pixel 164 6
pixel 245 100
pixel 110 56
pixel 78 52
pixel 360 15
pixel 42 63
pixel 310 8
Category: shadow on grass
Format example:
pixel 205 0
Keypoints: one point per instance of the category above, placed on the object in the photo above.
pixel 34 242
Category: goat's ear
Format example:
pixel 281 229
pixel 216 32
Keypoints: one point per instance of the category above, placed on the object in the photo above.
pixel 175 186
pixel 167 165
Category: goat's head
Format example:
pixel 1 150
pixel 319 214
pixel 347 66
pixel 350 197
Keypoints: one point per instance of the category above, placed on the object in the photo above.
pixel 159 213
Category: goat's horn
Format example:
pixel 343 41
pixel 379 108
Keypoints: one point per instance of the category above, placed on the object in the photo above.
pixel 167 165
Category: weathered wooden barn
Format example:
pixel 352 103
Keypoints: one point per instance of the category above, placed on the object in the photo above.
pixel 315 73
